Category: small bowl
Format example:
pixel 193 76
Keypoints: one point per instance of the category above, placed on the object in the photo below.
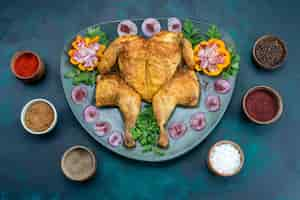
pixel 264 65
pixel 37 75
pixel 233 144
pixel 271 91
pixel 26 106
pixel 73 158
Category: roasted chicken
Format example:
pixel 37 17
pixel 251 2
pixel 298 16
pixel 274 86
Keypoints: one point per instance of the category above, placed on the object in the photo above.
pixel 148 69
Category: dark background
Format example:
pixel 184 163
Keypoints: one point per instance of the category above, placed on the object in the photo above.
pixel 31 164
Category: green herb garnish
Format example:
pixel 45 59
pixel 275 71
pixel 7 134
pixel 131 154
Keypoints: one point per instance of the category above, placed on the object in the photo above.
pixel 213 32
pixel 96 31
pixel 192 33
pixel 77 76
pixel 234 67
pixel 146 131
pixel 72 73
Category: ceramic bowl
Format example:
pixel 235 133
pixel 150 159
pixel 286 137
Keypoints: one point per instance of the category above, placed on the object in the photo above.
pixel 26 106
pixel 177 148
pixel 271 91
pixel 212 169
pixel 264 65
pixel 75 157
pixel 37 75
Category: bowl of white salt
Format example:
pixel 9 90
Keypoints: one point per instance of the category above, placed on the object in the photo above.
pixel 225 158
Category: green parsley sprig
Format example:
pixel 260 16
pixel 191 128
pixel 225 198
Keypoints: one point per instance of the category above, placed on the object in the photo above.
pixel 192 33
pixel 96 31
pixel 146 131
pixel 77 76
pixel 234 66
pixel 213 32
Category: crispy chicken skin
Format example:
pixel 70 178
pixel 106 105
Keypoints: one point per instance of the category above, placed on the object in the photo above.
pixel 111 90
pixel 183 89
pixel 148 70
pixel 146 65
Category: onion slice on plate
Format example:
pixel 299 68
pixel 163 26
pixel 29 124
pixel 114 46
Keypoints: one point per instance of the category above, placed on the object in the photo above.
pixel 79 94
pixel 213 103
pixel 177 129
pixel 222 86
pixel 115 139
pixel 198 121
pixel 102 128
pixel 150 26
pixel 90 114
pixel 127 27
pixel 174 24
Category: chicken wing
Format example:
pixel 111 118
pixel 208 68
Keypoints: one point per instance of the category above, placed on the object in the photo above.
pixel 183 89
pixel 111 90
pixel 113 51
pixel 188 54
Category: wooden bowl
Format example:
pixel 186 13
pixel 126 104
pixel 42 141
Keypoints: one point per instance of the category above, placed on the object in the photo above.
pixel 233 144
pixel 271 91
pixel 37 75
pixel 78 163
pixel 264 65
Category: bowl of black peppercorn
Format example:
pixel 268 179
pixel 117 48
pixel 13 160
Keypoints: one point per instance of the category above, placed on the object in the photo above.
pixel 269 52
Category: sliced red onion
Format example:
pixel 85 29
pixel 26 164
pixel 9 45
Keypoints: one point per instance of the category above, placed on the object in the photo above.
pixel 79 94
pixel 90 114
pixel 102 128
pixel 174 24
pixel 127 27
pixel 210 57
pixel 198 121
pixel 115 139
pixel 213 103
pixel 222 86
pixel 177 130
pixel 150 26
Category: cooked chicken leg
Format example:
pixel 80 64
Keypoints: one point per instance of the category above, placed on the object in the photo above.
pixel 183 89
pixel 113 91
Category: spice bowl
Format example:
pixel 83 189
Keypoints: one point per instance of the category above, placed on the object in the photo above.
pixel 264 105
pixel 269 52
pixel 78 163
pixel 48 114
pixel 27 66
pixel 228 156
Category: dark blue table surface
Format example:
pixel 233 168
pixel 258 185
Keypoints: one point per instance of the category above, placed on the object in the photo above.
pixel 31 164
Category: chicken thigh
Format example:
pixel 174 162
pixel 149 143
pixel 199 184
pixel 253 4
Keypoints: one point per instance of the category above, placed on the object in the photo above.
pixel 111 90
pixel 182 89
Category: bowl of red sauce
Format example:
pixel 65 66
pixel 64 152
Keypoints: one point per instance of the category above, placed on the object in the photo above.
pixel 27 66
pixel 262 105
